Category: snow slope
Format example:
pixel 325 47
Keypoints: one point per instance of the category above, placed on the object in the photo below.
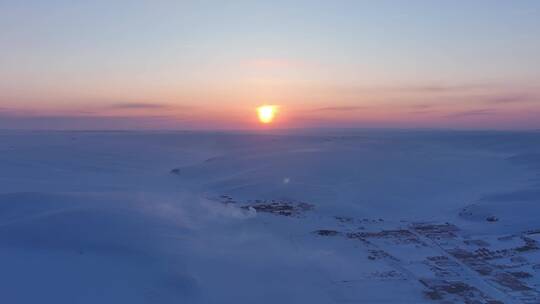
pixel 327 216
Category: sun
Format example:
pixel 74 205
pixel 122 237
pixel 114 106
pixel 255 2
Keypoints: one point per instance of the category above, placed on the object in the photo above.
pixel 266 113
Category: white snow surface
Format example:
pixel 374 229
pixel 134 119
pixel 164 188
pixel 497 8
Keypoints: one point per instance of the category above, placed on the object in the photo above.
pixel 175 217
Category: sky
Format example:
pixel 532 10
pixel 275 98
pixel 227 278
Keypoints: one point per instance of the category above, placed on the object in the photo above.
pixel 209 64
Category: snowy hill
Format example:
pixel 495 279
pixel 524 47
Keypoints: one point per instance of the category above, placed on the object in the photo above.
pixel 352 216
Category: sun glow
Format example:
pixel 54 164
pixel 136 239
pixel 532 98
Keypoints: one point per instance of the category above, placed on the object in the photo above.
pixel 266 113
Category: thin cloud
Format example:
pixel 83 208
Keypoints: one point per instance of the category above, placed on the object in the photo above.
pixel 422 109
pixel 508 99
pixel 9 121
pixel 440 88
pixel 421 106
pixel 340 108
pixel 414 89
pixel 138 105
pixel 479 112
pixel 426 111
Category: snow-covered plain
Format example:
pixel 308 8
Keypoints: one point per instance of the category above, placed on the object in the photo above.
pixel 340 216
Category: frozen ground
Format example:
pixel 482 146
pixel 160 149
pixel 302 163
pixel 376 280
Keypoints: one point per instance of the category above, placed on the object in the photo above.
pixel 316 217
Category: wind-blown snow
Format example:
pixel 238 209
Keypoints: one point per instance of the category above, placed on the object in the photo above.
pixel 361 216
